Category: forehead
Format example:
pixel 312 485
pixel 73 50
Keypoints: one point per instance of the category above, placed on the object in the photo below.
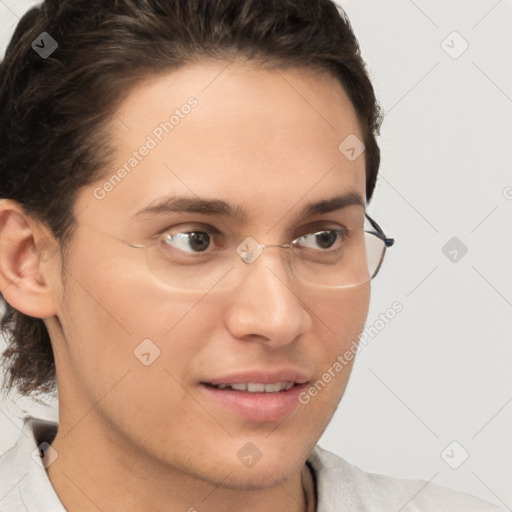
pixel 265 138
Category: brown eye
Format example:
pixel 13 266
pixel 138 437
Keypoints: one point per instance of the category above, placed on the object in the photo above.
pixel 326 239
pixel 193 241
pixel 321 239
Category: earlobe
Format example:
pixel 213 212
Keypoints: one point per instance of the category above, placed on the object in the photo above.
pixel 25 258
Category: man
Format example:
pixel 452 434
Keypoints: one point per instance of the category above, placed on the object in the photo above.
pixel 185 252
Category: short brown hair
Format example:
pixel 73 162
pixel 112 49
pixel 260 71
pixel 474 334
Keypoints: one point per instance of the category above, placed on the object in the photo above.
pixel 54 111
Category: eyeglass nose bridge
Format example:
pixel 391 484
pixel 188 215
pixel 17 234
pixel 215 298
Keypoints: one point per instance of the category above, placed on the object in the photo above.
pixel 250 249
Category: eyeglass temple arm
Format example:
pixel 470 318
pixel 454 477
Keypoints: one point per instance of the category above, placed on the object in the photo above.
pixel 388 241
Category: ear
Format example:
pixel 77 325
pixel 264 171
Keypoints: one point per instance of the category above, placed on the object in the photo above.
pixel 26 257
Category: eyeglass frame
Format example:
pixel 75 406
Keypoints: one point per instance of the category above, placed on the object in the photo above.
pixel 388 242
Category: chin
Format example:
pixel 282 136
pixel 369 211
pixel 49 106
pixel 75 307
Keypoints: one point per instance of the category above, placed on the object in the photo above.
pixel 229 472
pixel 259 477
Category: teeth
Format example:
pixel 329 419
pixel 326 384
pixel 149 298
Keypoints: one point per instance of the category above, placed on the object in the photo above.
pixel 254 387
pixel 258 388
pixel 239 387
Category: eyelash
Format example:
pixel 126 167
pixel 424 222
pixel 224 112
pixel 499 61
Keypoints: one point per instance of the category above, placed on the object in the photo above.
pixel 212 231
pixel 189 228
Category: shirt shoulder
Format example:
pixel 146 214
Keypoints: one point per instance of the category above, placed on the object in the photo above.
pixel 24 482
pixel 343 486
pixel 10 498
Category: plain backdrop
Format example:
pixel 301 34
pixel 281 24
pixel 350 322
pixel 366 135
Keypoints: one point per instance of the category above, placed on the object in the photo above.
pixel 432 387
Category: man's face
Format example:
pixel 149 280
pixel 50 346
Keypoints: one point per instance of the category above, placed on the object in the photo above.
pixel 267 141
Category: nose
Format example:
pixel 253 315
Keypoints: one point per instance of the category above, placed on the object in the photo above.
pixel 266 305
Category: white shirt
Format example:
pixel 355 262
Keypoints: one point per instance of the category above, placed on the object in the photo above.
pixel 340 486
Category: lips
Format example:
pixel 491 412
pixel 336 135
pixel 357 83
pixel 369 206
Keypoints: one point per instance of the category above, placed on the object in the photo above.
pixel 254 407
pixel 257 396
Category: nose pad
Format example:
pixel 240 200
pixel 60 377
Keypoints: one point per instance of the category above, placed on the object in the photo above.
pixel 249 250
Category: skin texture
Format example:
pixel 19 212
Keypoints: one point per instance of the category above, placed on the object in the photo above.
pixel 144 438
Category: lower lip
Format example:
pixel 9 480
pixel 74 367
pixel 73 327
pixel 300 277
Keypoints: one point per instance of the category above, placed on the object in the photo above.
pixel 258 407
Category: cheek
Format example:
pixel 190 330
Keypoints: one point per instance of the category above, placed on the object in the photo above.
pixel 339 320
pixel 342 314
pixel 117 320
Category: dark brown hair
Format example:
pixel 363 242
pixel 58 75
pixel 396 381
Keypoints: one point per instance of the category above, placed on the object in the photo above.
pixel 54 111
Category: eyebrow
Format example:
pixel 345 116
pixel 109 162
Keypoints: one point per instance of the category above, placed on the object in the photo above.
pixel 216 207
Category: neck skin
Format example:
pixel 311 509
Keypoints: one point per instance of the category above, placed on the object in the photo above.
pixel 104 474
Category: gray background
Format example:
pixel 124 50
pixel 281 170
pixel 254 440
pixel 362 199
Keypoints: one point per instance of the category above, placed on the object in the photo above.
pixel 440 371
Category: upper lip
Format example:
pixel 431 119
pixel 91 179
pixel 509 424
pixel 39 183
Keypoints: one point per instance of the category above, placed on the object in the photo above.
pixel 260 377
